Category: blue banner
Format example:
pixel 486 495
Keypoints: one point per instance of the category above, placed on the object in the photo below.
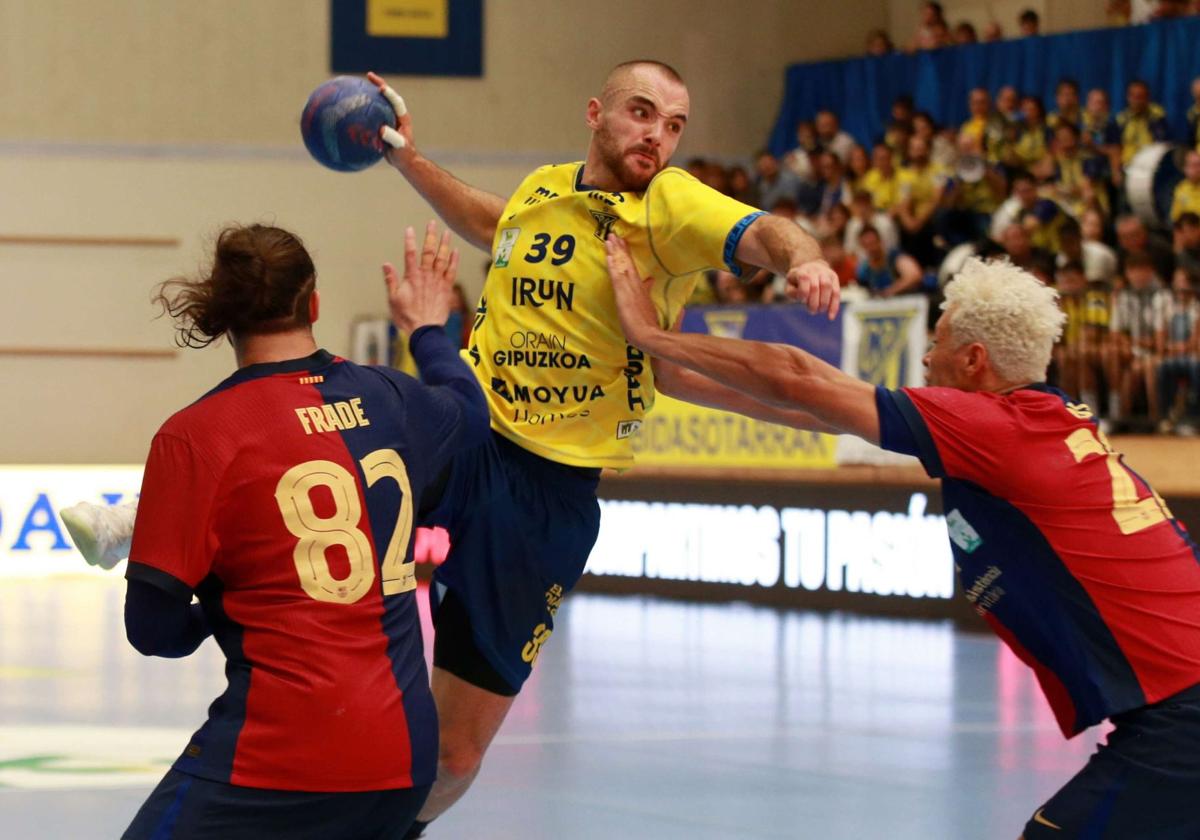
pixel 783 324
pixel 409 37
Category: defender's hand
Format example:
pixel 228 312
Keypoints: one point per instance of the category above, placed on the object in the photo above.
pixel 398 139
pixel 639 318
pixel 815 284
pixel 423 296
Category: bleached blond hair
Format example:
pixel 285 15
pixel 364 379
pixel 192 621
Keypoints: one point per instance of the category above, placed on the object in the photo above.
pixel 1007 310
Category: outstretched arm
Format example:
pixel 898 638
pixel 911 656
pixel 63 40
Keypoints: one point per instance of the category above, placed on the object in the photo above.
pixel 683 384
pixel 776 375
pixel 470 212
pixel 780 245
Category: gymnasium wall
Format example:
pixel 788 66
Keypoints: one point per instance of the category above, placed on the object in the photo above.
pixel 166 119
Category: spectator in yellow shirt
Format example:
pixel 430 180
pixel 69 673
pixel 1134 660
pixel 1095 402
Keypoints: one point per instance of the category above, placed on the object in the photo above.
pixel 1031 147
pixel 1066 97
pixel 882 180
pixel 1187 191
pixel 921 186
pixel 1193 116
pixel 1143 122
pixel 1073 173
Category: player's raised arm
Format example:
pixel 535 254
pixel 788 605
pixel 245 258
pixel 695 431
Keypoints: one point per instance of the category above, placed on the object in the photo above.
pixel 420 301
pixel 775 374
pixel 780 245
pixel 470 212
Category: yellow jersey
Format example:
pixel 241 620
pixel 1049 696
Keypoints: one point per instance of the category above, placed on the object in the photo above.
pixel 1185 200
pixel 921 185
pixel 885 191
pixel 546 343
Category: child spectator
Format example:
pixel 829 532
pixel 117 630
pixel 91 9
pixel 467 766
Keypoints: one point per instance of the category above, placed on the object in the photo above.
pixel 1179 348
pixel 1138 312
pixel 1071 349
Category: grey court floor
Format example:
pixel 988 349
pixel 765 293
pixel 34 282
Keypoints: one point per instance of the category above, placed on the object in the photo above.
pixel 644 719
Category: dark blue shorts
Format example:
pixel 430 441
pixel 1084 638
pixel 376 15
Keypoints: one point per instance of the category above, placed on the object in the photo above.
pixel 521 529
pixel 1144 782
pixel 185 807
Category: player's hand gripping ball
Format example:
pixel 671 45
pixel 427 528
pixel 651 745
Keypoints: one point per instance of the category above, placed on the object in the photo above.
pixel 341 123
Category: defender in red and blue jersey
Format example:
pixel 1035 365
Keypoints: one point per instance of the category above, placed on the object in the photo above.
pixel 284 500
pixel 1072 558
pixel 1069 555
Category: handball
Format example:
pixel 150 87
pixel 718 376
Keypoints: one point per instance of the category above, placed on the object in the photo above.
pixel 341 122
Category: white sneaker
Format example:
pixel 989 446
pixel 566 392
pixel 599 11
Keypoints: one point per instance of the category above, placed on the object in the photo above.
pixel 102 533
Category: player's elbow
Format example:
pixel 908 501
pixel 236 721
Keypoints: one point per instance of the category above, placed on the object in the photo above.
pixel 143 638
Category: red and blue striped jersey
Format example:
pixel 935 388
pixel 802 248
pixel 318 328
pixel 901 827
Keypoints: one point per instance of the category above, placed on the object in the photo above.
pixel 285 500
pixel 1069 555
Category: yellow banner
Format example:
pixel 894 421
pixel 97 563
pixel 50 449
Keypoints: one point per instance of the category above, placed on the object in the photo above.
pixel 408 18
pixel 679 434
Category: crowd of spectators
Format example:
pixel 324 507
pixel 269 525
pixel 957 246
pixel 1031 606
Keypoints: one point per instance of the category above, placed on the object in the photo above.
pixel 1044 189
pixel 933 31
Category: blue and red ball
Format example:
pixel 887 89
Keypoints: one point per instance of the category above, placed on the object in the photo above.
pixel 341 122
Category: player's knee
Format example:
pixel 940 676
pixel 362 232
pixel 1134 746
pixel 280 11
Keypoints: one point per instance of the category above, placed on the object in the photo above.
pixel 459 760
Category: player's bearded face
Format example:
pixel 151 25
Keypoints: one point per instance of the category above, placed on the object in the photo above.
pixel 632 159
pixel 638 128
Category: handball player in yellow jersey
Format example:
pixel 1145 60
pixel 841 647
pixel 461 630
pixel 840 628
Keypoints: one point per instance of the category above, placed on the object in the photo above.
pixel 565 389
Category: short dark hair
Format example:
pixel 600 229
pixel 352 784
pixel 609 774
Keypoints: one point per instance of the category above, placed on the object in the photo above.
pixel 1138 83
pixel 1072 265
pixel 667 70
pixel 928 117
pixel 1188 219
pixel 1023 175
pixel 1029 16
pixel 1069 226
pixel 868 229
pixel 1067 81
pixel 1036 100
